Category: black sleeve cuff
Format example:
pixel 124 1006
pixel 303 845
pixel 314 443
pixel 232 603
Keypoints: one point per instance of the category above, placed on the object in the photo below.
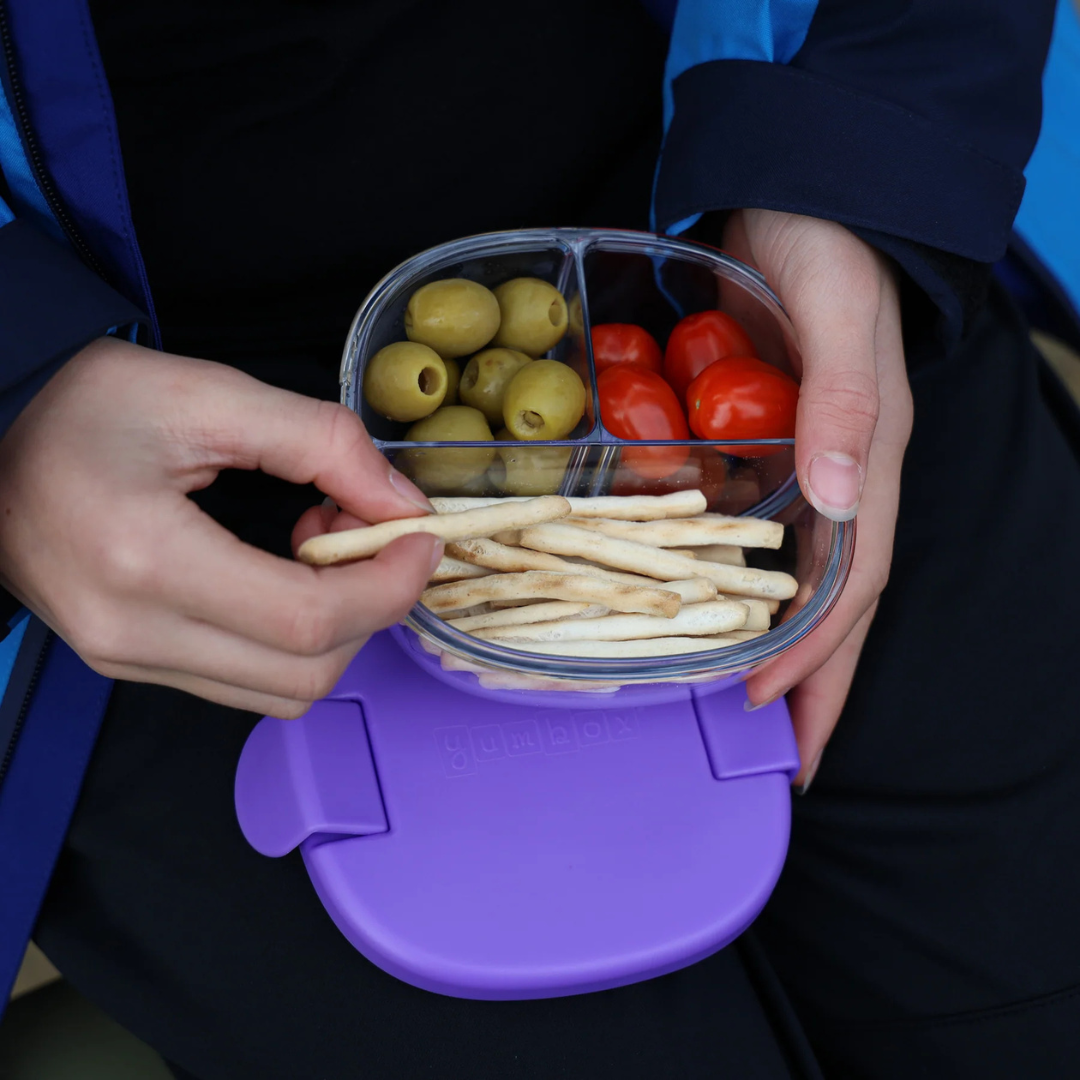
pixel 752 134
pixel 50 306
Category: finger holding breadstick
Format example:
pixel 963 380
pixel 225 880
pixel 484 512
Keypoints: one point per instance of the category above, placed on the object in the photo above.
pixel 715 529
pixel 551 586
pixel 483 521
pixel 654 562
pixel 679 504
pixel 694 620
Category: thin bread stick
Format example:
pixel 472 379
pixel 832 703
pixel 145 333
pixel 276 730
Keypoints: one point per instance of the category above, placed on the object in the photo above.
pixel 758 616
pixel 362 543
pixel 657 563
pixel 736 637
pixel 714 529
pixel 450 569
pixel 693 620
pixel 550 586
pixel 514 560
pixel 551 611
pixel 731 554
pixel 506 680
pixel 679 504
pixel 611 650
pixel 510 537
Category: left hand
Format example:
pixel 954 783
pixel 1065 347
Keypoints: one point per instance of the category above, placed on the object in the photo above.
pixel 852 428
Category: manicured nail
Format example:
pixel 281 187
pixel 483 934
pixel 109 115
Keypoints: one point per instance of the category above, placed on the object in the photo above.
pixel 761 705
pixel 804 787
pixel 409 491
pixel 835 483
pixel 436 555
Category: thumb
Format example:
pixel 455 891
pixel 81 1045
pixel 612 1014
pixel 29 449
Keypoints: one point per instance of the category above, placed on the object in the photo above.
pixel 255 426
pixel 831 284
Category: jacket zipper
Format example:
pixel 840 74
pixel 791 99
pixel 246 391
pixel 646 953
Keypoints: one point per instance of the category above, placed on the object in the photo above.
pixel 31 686
pixel 33 153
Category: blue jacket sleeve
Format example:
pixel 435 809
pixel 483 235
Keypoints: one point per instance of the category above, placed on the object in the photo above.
pixel 910 121
pixel 51 305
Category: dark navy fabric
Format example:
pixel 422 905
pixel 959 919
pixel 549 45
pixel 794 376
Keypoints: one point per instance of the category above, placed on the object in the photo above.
pixel 49 304
pixel 74 127
pixel 42 783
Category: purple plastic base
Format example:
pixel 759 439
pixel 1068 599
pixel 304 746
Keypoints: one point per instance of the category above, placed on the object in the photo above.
pixel 484 850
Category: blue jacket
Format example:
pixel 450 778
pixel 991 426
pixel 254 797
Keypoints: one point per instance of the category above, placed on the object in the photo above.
pixel 910 121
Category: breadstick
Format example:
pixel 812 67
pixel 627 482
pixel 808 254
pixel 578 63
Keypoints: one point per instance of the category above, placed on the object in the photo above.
pixel 693 620
pixel 710 529
pixel 550 611
pixel 679 504
pixel 538 583
pixel 657 563
pixel 692 589
pixel 361 543
pixel 736 637
pixel 611 650
pixel 506 680
pixel 731 554
pixel 757 617
pixel 450 569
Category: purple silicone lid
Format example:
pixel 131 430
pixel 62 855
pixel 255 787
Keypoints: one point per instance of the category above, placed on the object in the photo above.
pixel 496 847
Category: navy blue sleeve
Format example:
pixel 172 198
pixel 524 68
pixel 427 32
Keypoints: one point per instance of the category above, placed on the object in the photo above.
pixel 909 121
pixel 51 305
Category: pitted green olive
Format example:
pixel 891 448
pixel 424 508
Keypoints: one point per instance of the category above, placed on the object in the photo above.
pixel 454 317
pixel 453 381
pixel 545 400
pixel 405 381
pixel 446 469
pixel 533 315
pixel 486 377
pixel 529 470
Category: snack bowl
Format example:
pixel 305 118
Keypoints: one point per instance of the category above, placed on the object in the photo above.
pixel 607 276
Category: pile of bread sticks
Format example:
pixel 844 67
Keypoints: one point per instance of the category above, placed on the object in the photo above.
pixel 612 576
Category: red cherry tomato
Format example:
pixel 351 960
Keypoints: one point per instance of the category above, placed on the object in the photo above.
pixel 624 343
pixel 743 398
pixel 700 340
pixel 636 404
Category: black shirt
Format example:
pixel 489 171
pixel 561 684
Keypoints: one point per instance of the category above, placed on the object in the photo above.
pixel 282 155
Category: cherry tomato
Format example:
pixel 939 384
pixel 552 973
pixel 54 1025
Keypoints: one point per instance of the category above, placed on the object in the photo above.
pixel 704 471
pixel 743 398
pixel 698 341
pixel 624 343
pixel 636 404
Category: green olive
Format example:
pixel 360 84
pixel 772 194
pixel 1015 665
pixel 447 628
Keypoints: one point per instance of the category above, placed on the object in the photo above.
pixel 441 470
pixel 453 381
pixel 405 381
pixel 533 315
pixel 529 470
pixel 454 317
pixel 486 377
pixel 576 317
pixel 544 400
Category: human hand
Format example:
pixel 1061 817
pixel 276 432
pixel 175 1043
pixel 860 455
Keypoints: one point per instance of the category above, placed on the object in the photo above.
pixel 99 539
pixel 853 425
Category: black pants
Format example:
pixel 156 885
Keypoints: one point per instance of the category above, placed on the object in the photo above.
pixel 925 925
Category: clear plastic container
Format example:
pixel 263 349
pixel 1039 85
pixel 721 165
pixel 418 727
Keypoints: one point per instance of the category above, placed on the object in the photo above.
pixel 612 276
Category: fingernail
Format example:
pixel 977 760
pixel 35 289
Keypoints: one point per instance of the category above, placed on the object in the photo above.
pixel 409 491
pixel 804 787
pixel 436 555
pixel 761 705
pixel 835 483
pixel 329 504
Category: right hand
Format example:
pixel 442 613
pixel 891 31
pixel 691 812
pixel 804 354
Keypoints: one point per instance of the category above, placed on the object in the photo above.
pixel 99 538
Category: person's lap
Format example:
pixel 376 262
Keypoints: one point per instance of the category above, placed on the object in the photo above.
pixel 931 872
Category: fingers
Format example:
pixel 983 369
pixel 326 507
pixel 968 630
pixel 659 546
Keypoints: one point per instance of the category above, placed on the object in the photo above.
pixel 255 426
pixel 816 703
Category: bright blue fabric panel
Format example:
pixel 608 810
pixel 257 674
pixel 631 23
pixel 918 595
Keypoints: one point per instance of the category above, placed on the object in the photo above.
pixel 1049 218
pixel 771 31
pixel 768 30
pixel 9 648
pixel 16 168
pixel 71 110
